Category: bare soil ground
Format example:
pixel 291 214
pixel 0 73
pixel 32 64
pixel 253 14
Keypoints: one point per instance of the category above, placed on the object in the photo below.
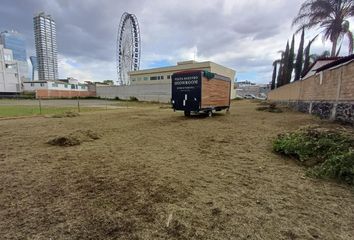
pixel 154 174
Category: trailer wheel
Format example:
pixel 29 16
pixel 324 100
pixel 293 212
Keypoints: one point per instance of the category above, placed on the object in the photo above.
pixel 210 113
pixel 187 113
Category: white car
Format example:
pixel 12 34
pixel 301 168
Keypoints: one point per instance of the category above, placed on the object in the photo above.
pixel 250 96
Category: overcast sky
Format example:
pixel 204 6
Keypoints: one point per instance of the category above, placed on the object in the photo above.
pixel 241 34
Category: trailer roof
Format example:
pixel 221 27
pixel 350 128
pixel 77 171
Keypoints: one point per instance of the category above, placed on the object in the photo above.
pixel 216 76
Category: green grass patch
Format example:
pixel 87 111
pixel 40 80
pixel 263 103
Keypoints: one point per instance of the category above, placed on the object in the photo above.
pixel 329 153
pixel 19 111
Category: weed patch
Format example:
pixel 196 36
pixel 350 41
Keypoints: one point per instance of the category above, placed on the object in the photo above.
pixel 328 152
pixel 270 107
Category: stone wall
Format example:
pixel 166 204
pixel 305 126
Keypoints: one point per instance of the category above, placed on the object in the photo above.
pixel 329 94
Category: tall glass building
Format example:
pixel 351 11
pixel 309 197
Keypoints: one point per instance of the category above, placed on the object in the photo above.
pixel 34 63
pixel 46 46
pixel 16 42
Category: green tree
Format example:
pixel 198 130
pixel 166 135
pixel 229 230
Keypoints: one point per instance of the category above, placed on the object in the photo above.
pixel 109 82
pixel 274 76
pixel 285 68
pixel 307 55
pixel 290 62
pixel 300 57
pixel 280 70
pixel 315 57
pixel 329 15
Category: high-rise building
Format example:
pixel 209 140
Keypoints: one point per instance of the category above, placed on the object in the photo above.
pixel 15 41
pixel 34 63
pixel 46 46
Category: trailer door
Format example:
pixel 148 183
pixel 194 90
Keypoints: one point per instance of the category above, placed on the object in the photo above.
pixel 186 91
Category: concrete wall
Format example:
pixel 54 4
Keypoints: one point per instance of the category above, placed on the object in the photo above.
pixel 329 94
pixel 160 92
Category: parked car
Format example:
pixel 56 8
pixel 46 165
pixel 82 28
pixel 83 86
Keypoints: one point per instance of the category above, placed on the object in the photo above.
pixel 250 96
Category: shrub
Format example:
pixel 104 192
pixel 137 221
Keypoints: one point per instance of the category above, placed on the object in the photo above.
pixel 329 152
pixel 339 167
pixel 133 99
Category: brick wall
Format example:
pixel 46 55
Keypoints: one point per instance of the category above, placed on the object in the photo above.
pixel 329 94
pixel 313 89
pixel 44 93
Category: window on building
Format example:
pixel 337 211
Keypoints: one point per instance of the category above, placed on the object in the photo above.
pixel 83 87
pixel 7 57
pixel 168 76
pixel 133 79
pixel 162 77
pixel 42 84
pixel 146 78
pixel 66 85
pixel 153 78
pixel 32 84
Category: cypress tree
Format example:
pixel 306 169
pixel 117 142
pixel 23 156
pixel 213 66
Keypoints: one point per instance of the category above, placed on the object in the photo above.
pixel 285 65
pixel 307 58
pixel 300 57
pixel 290 65
pixel 280 70
pixel 274 75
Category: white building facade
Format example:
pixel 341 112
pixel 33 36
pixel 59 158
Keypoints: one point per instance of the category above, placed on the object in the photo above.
pixel 10 82
pixel 16 42
pixel 32 86
pixel 155 84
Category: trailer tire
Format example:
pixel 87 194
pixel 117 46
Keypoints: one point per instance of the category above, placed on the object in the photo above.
pixel 187 113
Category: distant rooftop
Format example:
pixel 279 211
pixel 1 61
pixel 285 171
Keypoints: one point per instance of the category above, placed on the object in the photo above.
pixel 339 61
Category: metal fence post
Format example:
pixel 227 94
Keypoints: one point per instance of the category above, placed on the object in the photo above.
pixel 40 106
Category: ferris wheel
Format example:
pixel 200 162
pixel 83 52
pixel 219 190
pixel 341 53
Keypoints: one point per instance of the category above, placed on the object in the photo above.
pixel 128 47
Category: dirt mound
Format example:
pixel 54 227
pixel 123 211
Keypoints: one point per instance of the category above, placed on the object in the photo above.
pixel 66 114
pixel 75 138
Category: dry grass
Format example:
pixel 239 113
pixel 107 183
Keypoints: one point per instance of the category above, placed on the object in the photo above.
pixel 154 174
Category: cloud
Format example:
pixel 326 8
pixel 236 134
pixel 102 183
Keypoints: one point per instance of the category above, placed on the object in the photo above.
pixel 244 35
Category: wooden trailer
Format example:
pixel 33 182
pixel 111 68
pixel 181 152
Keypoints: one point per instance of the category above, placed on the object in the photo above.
pixel 200 91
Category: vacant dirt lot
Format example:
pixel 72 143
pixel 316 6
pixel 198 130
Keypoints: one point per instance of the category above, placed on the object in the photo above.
pixel 150 173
